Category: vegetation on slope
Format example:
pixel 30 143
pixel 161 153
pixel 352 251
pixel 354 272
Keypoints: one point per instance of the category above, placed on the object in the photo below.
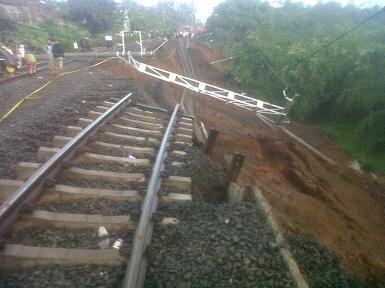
pixel 342 83
pixel 72 20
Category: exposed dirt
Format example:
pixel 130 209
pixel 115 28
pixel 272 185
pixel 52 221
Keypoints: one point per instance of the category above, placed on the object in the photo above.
pixel 334 205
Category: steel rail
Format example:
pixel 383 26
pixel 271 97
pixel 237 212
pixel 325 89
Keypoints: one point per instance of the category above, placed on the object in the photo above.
pixel 188 102
pixel 183 60
pixel 32 187
pixel 136 268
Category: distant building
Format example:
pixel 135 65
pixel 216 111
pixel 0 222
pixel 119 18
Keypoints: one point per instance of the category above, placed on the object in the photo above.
pixel 20 10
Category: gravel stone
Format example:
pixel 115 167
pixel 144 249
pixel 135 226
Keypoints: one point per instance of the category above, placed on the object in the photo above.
pixel 79 276
pixel 49 236
pixel 320 265
pixel 101 206
pixel 206 249
pixel 59 105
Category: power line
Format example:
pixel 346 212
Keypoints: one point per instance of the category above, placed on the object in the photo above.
pixel 331 76
pixel 338 38
pixel 271 69
pixel 334 40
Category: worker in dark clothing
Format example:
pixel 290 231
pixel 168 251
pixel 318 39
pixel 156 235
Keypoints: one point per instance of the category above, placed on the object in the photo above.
pixel 58 55
pixel 87 45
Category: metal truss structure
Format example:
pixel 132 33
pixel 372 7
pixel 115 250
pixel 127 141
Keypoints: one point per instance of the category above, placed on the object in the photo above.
pixel 260 107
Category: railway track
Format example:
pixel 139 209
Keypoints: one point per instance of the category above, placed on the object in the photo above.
pixel 87 205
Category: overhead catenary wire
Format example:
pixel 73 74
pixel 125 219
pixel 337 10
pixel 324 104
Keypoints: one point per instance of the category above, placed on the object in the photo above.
pixel 337 39
pixel 271 69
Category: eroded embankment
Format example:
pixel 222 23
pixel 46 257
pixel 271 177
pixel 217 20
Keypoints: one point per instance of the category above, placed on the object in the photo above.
pixel 335 206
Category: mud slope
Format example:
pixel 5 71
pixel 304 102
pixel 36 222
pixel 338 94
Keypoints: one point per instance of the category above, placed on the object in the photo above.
pixel 336 206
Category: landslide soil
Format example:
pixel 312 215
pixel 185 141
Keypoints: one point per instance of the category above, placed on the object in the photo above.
pixel 334 205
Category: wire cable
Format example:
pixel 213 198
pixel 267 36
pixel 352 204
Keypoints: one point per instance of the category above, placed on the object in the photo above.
pixel 334 40
pixel 271 69
pixel 338 38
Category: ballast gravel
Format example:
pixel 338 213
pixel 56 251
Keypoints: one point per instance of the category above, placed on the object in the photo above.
pixel 59 105
pixel 49 236
pixel 100 206
pixel 117 167
pixel 128 142
pixel 98 184
pixel 215 246
pixel 78 276
pixel 320 265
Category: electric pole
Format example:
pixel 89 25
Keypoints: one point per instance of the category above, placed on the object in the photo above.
pixel 126 19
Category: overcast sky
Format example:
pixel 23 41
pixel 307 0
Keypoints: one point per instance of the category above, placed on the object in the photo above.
pixel 205 7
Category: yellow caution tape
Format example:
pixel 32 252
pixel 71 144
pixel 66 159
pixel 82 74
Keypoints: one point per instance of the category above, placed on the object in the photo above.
pixel 13 109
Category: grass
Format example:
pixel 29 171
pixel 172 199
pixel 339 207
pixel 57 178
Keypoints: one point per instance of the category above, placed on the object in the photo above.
pixel 344 133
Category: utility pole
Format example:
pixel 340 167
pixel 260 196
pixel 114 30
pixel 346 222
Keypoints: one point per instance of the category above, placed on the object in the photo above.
pixel 126 19
pixel 123 42
pixel 140 41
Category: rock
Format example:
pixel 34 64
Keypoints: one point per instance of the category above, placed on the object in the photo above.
pixel 356 166
pixel 374 176
pixel 104 244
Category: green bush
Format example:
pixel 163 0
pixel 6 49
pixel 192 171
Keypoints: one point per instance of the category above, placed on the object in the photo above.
pixel 38 33
pixel 371 130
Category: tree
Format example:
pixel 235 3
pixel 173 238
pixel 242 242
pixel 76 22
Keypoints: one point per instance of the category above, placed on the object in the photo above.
pixel 97 15
pixel 342 83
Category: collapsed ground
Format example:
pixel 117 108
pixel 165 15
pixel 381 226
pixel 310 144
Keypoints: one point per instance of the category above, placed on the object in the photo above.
pixel 335 206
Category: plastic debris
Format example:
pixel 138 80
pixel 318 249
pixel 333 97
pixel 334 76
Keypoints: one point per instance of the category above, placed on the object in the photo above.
pixel 117 244
pixel 102 232
pixel 131 157
pixel 169 221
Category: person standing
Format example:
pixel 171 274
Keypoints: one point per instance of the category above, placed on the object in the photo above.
pixel 48 49
pixel 31 64
pixel 58 55
pixel 108 39
pixel 87 44
pixel 20 56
